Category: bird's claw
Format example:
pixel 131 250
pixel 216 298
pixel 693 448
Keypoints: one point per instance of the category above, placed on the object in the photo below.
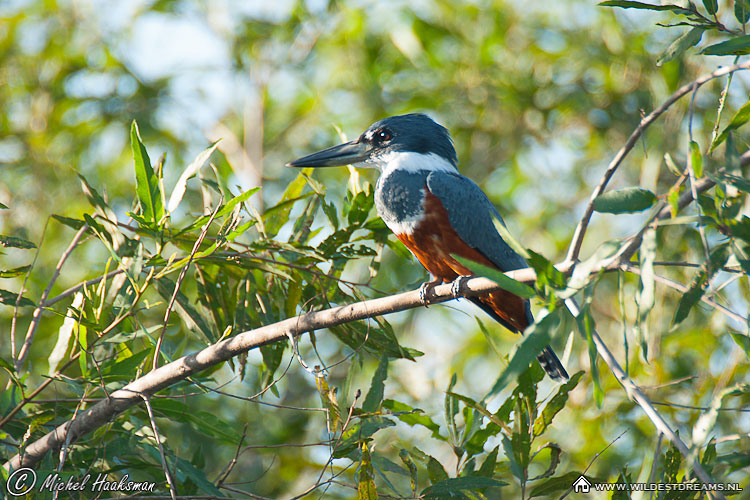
pixel 425 291
pixel 456 286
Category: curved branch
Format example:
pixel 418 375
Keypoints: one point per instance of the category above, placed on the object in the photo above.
pixel 635 394
pixel 189 365
pixel 575 245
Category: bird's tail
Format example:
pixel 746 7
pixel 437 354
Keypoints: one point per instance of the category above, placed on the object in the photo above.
pixel 552 365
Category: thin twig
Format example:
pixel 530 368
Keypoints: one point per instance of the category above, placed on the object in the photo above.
pixel 37 315
pixel 228 469
pixel 70 291
pixel 570 489
pixel 635 394
pixel 20 294
pixel 575 246
pixel 167 473
pixel 177 284
pixel 682 288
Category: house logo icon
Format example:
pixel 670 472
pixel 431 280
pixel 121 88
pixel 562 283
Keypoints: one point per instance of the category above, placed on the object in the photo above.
pixel 582 485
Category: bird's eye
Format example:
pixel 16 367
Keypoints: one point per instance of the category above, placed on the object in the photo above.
pixel 383 136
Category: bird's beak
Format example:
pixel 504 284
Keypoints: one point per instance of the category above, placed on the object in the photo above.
pixel 343 154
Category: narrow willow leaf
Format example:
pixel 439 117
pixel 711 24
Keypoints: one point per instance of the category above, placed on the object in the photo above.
pixel 680 45
pixel 645 296
pixel 712 6
pixel 737 46
pixel 689 299
pixel 15 272
pixel 146 181
pixel 179 189
pixel 406 459
pixel 556 404
pixel 624 4
pixel 628 200
pixel 15 242
pixel 506 283
pixel 64 334
pixel 739 119
pixel 412 416
pixel 366 489
pixel 9 299
pixel 586 327
pixel 328 398
pixel 696 159
pixel 742 11
pixel 459 487
pixel 743 341
pixel 377 387
pixel 707 420
pixel 536 338
pixel 435 470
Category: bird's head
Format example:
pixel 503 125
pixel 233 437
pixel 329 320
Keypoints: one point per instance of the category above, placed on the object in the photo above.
pixel 386 141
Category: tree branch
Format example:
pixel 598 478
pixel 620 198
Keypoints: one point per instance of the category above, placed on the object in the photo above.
pixel 189 365
pixel 575 245
pixel 635 394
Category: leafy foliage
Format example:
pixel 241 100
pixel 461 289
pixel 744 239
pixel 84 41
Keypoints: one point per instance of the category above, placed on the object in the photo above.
pixel 188 250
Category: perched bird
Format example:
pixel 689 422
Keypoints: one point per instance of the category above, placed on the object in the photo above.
pixel 435 211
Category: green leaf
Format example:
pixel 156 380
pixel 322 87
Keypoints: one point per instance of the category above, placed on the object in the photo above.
pixel 707 420
pixel 360 431
pixel 406 459
pixel 622 201
pixel 672 460
pixel 9 299
pixel 739 119
pixel 680 45
pixel 645 295
pixel 360 207
pixel 646 6
pixel 181 186
pixel 435 470
pixel 375 394
pixel 711 6
pixel 330 403
pixel 460 487
pixel 412 416
pixel 689 299
pixel 366 489
pixel 488 466
pixel 227 208
pixel 742 11
pixel 72 223
pixel 554 485
pixel 506 283
pixel 15 242
pixel 536 338
pixel 3 206
pixel 147 184
pixel 737 181
pixel 556 404
pixel 546 272
pixel 743 341
pixel 696 159
pixel 16 271
pixel 737 46
pixel 586 327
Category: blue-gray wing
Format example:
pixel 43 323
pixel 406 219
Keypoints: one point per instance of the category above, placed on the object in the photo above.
pixel 471 214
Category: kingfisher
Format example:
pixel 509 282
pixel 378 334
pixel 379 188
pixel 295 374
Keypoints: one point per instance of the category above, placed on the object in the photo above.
pixel 436 212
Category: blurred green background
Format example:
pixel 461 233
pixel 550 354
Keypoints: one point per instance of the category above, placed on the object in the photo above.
pixel 538 97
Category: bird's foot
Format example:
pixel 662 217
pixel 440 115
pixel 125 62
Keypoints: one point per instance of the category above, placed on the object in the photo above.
pixel 456 286
pixel 425 291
